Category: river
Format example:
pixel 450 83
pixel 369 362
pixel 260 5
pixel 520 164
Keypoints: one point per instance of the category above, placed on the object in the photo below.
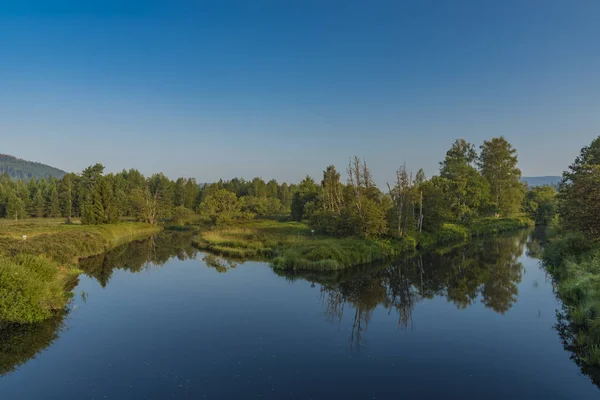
pixel 157 319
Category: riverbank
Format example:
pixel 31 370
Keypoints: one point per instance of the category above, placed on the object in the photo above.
pixel 456 234
pixel 38 273
pixel 292 246
pixel 574 262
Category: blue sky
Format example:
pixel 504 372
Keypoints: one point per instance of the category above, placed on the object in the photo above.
pixel 283 89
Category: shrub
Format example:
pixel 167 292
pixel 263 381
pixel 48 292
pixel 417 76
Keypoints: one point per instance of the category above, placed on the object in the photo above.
pixel 31 289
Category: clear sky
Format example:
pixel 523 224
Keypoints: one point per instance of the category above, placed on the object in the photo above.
pixel 284 88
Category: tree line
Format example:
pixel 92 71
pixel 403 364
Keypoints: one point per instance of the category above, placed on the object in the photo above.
pixel 469 185
pixel 99 198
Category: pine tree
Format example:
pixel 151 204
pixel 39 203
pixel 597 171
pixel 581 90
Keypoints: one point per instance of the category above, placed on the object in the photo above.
pixel 420 177
pixel 38 204
pixel 53 210
pixel 89 199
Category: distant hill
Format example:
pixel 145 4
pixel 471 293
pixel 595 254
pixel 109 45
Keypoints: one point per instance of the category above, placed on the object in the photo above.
pixel 21 169
pixel 541 180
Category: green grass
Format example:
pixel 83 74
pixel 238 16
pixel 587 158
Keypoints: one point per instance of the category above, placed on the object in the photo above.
pixel 450 234
pixel 63 243
pixel 290 245
pixel 492 226
pixel 574 262
pixel 37 274
pixel 32 288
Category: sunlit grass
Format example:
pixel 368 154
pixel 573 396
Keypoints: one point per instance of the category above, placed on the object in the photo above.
pixel 32 288
pixel 291 245
pixel 36 273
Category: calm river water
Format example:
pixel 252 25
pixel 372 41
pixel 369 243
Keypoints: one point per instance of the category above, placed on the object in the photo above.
pixel 156 319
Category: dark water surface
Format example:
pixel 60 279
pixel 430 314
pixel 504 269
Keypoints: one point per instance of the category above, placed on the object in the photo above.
pixel 475 323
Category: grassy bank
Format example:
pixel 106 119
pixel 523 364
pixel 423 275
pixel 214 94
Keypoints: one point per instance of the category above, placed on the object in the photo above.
pixel 290 245
pixel 452 234
pixel 574 262
pixel 37 274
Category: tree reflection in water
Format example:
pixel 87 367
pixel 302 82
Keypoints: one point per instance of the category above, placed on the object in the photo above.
pixel 488 270
pixel 139 255
pixel 19 344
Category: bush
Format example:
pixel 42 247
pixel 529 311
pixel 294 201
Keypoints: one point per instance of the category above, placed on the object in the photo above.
pixel 574 262
pixel 31 289
pixel 491 226
pixel 184 216
pixel 448 233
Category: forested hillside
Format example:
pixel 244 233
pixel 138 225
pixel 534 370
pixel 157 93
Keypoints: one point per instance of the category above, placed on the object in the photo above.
pixel 533 181
pixel 21 169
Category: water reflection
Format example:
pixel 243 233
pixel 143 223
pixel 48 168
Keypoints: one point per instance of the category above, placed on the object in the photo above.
pixel 488 271
pixel 139 255
pixel 568 336
pixel 19 344
pixel 221 265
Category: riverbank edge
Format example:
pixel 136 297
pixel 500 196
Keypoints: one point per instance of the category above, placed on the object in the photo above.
pixel 293 246
pixel 38 274
pixel 573 261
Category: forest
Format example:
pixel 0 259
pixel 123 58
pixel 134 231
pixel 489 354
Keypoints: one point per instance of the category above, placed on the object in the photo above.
pixel 16 168
pixel 469 186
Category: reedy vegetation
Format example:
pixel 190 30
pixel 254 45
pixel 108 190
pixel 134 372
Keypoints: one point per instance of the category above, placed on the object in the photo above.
pixel 573 256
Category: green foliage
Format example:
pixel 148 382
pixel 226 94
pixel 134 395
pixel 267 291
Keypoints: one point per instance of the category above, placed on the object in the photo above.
pixel 15 206
pixel 498 164
pixel 306 192
pixel 579 193
pixel 261 206
pixel 291 245
pixel 492 226
pixel 463 186
pixel 574 258
pixel 446 234
pixel 53 206
pixel 334 254
pixel 37 204
pixel 541 204
pixel 449 233
pixel 575 262
pixel 36 274
pixel 222 207
pixel 183 216
pixel 31 289
pixel 436 209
